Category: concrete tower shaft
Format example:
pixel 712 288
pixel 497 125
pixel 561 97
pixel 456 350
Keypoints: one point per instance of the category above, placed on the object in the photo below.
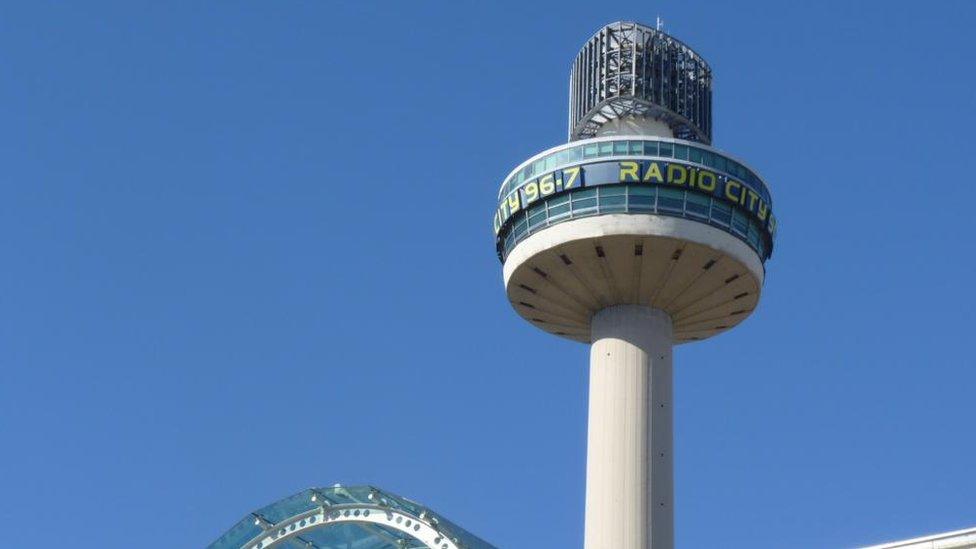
pixel 630 430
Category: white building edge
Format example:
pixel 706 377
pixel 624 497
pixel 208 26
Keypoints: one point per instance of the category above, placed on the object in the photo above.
pixel 958 539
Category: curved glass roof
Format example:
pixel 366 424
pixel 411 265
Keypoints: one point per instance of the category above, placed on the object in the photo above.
pixel 346 517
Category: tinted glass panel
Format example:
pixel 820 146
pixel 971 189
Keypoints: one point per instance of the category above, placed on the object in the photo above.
pixel 721 212
pixel 584 204
pixel 698 205
pixel 641 198
pixel 558 211
pixel 681 151
pixel 671 200
pixel 739 222
pixel 584 200
pixel 537 219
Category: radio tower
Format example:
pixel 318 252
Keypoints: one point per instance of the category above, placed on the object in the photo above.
pixel 634 236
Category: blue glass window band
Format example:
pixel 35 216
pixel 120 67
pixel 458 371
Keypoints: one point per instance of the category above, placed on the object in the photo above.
pixel 634 199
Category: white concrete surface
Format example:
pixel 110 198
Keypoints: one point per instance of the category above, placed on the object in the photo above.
pixel 629 462
pixel 633 125
pixel 637 225
pixel 707 280
pixel 959 539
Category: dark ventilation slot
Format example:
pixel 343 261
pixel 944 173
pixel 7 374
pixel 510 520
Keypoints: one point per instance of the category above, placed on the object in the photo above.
pixel 638 249
pixel 529 305
pixel 740 296
pixel 731 278
pixel 599 251
pixel 527 288
pixel 739 312
pixel 540 272
pixel 721 327
pixel 565 259
pixel 676 255
pixel 539 320
pixel 560 333
pixel 709 265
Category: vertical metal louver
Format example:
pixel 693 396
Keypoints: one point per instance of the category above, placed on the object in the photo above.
pixel 629 69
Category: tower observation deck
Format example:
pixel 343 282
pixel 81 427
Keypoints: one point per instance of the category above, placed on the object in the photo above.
pixel 634 236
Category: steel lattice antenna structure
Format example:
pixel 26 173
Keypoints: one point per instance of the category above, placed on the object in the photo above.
pixel 634 236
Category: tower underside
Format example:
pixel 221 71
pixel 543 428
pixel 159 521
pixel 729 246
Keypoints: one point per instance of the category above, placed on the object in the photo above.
pixel 706 280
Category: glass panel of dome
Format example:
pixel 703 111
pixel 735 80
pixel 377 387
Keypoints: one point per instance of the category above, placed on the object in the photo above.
pixel 681 152
pixel 719 162
pixel 667 149
pixel 641 198
pixel 636 147
pixel 650 148
pixel 576 153
pixel 721 212
pixel 551 161
pixel 557 212
pixel 613 199
pixel 519 229
pixel 753 234
pixel 537 216
pixel 671 200
pixel 619 148
pixel 606 148
pixel 584 200
pixel 698 205
pixel 695 154
pixel 740 223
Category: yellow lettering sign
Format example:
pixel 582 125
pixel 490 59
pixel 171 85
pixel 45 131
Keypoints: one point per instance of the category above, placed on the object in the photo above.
pixel 573 177
pixel 731 184
pixel 547 185
pixel 753 197
pixel 628 171
pixel 706 181
pixel 653 173
pixel 677 174
pixel 513 203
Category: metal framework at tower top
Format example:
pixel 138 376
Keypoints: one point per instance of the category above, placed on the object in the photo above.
pixel 629 69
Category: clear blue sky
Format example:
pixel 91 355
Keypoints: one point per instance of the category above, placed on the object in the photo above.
pixel 246 249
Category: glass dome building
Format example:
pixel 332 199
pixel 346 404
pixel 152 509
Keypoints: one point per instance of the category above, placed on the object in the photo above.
pixel 346 517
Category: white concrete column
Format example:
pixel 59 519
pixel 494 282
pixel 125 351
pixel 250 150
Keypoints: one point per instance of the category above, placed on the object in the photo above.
pixel 629 462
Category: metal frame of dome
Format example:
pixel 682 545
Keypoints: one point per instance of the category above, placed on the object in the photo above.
pixel 340 517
